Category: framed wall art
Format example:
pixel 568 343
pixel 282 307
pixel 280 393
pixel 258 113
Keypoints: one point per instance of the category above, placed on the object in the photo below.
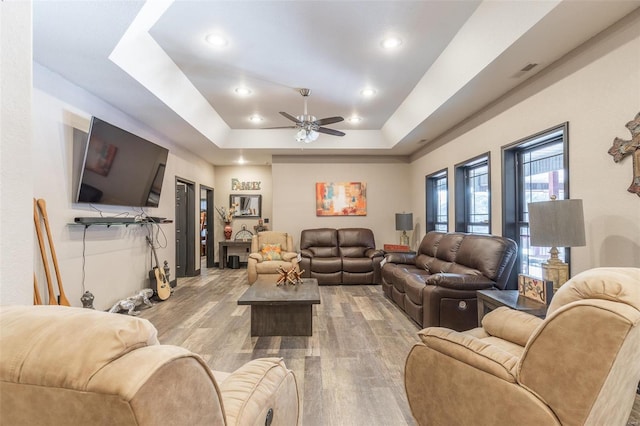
pixel 535 288
pixel 341 199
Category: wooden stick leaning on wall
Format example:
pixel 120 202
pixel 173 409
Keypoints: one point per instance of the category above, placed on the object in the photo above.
pixel 36 292
pixel 42 205
pixel 36 219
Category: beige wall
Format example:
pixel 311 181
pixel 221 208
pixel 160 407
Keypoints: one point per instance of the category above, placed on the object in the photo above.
pixel 16 223
pixel 288 194
pixel 388 192
pixel 597 90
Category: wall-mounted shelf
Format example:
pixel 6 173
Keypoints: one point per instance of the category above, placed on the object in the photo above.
pixel 116 221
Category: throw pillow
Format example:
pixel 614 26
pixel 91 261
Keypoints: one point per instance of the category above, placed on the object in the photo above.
pixel 271 252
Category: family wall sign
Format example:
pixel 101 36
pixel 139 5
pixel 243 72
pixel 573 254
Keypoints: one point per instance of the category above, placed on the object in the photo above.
pixel 238 185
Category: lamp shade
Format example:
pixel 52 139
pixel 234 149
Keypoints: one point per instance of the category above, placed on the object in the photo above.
pixel 557 223
pixel 404 221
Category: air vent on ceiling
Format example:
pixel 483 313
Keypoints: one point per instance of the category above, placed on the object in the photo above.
pixel 529 67
pixel 524 70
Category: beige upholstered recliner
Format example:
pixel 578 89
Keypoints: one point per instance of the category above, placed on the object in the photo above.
pixel 579 366
pixel 269 251
pixel 75 366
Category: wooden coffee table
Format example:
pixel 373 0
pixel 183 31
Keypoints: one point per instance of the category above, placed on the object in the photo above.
pixel 284 310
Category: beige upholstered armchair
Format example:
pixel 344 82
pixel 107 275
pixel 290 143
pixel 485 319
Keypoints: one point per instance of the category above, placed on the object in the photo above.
pixel 579 366
pixel 75 366
pixel 269 251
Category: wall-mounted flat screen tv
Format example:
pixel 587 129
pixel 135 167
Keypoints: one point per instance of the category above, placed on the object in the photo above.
pixel 120 168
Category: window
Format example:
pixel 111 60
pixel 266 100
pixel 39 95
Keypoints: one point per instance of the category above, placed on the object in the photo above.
pixel 473 201
pixel 534 169
pixel 437 201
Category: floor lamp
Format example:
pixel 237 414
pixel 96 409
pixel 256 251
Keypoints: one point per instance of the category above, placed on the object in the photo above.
pixel 404 223
pixel 556 223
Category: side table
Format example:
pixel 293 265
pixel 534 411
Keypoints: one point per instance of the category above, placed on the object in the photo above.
pixel 488 300
pixel 223 247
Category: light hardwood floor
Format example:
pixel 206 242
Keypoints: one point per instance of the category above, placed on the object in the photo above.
pixel 350 372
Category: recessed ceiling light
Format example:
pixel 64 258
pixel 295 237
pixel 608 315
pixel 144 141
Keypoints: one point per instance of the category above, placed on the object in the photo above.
pixel 216 40
pixel 368 92
pixel 242 91
pixel 255 118
pixel 354 119
pixel 391 42
pixel 241 160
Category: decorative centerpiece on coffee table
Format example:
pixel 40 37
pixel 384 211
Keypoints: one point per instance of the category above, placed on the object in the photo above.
pixel 289 276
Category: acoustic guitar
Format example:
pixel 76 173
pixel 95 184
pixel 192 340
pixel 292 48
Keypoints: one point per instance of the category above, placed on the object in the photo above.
pixel 157 278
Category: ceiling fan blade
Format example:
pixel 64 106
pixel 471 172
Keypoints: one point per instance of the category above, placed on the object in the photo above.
pixel 290 117
pixel 328 120
pixel 330 131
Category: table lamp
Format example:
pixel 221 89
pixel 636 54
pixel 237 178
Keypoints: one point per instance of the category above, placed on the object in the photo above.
pixel 556 223
pixel 404 223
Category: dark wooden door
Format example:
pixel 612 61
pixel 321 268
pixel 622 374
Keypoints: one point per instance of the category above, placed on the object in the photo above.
pixel 211 259
pixel 181 229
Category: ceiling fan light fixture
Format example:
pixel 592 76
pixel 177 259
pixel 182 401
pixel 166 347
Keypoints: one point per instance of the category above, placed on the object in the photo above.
pixel 306 135
pixel 308 128
pixel 301 135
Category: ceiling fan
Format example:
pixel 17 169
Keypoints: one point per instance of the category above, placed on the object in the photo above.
pixel 309 127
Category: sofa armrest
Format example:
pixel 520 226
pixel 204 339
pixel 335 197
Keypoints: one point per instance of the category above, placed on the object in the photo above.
pixel 306 253
pixel 289 256
pixel 371 253
pixel 259 386
pixel 460 281
pixel 256 256
pixel 471 351
pixel 401 258
pixel 511 325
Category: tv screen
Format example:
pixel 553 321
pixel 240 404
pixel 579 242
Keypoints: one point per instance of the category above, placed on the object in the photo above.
pixel 120 168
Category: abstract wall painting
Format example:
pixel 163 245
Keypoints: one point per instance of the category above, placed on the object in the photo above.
pixel 341 199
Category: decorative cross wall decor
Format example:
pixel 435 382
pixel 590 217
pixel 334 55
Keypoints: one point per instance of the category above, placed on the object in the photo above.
pixel 621 148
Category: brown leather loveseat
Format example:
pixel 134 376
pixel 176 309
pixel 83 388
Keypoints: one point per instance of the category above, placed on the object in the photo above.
pixel 340 256
pixel 437 285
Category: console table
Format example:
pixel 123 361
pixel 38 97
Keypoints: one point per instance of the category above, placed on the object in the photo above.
pixel 223 248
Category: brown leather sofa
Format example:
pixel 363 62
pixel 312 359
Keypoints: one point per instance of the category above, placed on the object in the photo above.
pixel 340 256
pixel 437 285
